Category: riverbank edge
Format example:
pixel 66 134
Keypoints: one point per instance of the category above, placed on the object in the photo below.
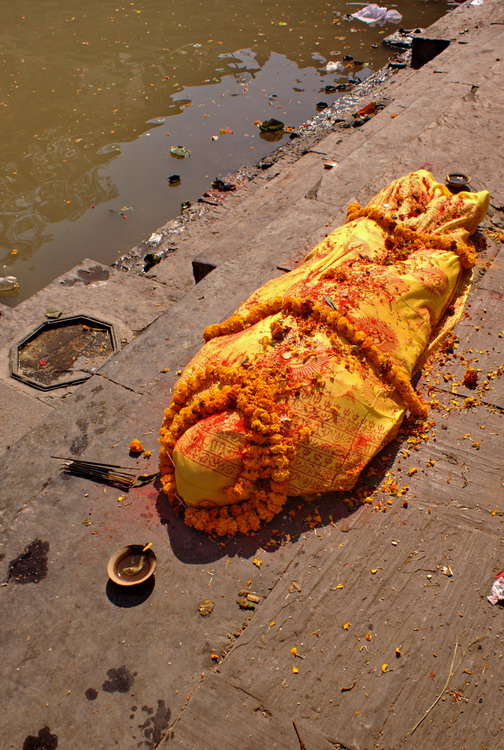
pixel 164 240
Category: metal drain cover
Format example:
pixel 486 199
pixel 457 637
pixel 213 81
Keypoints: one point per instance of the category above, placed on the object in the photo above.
pixel 62 352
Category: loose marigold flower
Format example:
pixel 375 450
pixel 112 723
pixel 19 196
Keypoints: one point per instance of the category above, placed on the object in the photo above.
pixel 136 446
pixel 470 378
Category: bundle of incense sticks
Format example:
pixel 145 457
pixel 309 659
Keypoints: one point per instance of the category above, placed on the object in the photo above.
pixel 122 477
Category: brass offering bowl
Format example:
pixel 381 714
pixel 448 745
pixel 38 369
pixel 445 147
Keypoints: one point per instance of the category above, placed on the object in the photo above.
pixel 457 181
pixel 132 565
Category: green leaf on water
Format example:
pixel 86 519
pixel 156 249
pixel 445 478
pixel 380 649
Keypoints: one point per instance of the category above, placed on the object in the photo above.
pixel 180 152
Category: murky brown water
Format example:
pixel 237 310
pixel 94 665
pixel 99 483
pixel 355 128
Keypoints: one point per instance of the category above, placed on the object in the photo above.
pixel 93 94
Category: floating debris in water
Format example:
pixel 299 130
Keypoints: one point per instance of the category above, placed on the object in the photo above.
pixel 180 152
pixel 271 126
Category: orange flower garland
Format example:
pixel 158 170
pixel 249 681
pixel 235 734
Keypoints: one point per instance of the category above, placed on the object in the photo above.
pixel 262 484
pixel 331 319
pixel 417 240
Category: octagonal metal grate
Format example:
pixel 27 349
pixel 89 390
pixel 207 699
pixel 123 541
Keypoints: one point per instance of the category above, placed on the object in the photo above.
pixel 62 352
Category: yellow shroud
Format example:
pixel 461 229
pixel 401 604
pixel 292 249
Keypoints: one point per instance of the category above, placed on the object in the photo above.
pixel 400 304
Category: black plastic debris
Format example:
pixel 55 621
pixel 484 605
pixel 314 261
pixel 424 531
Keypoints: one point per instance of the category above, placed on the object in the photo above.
pixel 151 260
pixel 222 186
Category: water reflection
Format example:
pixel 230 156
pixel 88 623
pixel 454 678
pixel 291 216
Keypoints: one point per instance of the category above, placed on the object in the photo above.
pixel 89 91
pixel 54 180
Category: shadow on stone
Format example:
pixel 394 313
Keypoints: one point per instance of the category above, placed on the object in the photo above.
pixel 298 515
pixel 129 596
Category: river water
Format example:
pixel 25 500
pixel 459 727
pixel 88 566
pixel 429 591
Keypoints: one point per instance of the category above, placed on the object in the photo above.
pixel 93 94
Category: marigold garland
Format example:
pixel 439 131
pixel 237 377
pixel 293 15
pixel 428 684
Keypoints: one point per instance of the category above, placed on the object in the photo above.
pixel 260 491
pixel 334 321
pixel 418 240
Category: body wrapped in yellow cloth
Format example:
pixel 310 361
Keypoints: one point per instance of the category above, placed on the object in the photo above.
pixel 310 378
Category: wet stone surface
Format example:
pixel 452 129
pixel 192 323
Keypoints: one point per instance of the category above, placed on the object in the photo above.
pixel 120 680
pixel 88 276
pixel 31 565
pixel 155 723
pixel 43 741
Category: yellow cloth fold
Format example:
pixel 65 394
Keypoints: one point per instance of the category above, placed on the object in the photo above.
pixel 400 304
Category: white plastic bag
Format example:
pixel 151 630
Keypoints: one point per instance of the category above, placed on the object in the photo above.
pixel 376 14
pixel 332 67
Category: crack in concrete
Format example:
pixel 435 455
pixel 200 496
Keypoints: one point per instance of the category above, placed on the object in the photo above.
pixel 250 695
pixel 114 382
pixel 482 401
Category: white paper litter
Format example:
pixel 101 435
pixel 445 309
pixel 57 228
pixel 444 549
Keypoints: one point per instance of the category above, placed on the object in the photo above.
pixel 376 14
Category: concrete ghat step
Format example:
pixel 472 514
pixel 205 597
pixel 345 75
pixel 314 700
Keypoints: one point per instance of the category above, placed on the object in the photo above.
pixel 467 18
pixel 129 302
pixel 263 210
pixel 262 200
pixel 396 145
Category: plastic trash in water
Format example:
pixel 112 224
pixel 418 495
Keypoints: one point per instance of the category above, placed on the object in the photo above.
pixel 497 594
pixel 376 14
pixel 333 67
pixel 180 152
pixel 8 284
pixel 271 126
pixel 155 238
